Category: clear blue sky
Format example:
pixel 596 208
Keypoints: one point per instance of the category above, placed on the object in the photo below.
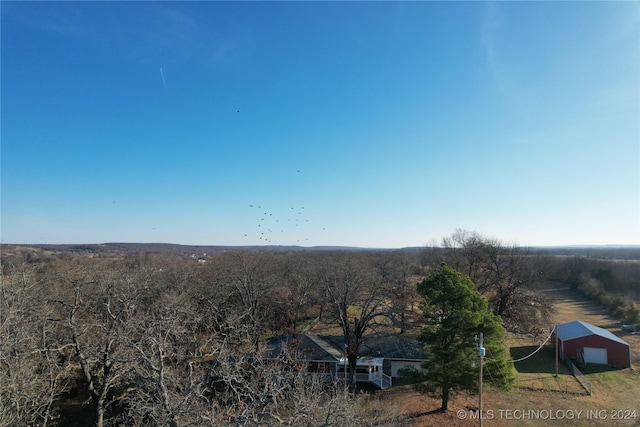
pixel 376 124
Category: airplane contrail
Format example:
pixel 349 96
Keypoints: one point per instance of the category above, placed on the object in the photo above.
pixel 163 82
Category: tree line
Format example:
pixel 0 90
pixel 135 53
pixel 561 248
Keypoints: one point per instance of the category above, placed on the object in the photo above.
pixel 161 339
pixel 152 339
pixel 612 283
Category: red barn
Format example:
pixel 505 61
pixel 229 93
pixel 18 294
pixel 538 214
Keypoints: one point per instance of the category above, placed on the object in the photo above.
pixel 590 344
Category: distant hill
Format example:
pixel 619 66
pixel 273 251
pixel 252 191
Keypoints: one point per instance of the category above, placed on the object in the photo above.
pixel 604 252
pixel 628 252
pixel 198 250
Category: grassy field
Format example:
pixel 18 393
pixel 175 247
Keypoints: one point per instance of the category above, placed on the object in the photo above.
pixel 539 398
pixel 538 372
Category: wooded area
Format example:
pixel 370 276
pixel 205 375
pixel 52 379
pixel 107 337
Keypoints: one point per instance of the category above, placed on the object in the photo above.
pixel 91 338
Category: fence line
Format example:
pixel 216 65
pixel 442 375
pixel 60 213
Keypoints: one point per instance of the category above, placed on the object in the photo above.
pixel 582 379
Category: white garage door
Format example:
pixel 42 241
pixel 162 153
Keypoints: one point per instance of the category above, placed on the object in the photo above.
pixel 595 355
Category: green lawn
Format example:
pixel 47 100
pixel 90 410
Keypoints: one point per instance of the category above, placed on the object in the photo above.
pixel 538 372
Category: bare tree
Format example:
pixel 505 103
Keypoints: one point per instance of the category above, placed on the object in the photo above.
pixel 153 339
pixel 168 345
pixel 297 292
pixel 356 298
pixel 96 307
pixel 393 268
pixel 247 280
pixel 316 403
pixel 30 378
pixel 464 252
pixel 502 273
pixel 257 390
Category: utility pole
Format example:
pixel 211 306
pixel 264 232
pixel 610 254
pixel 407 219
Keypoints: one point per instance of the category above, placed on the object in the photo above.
pixel 481 353
pixel 555 330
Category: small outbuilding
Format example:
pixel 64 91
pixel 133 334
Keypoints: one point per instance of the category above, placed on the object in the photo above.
pixel 585 343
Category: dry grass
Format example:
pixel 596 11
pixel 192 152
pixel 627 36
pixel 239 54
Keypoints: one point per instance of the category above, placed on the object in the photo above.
pixel 538 371
pixel 570 305
pixel 538 392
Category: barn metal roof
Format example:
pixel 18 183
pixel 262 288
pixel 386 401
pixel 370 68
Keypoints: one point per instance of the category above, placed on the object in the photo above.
pixel 577 329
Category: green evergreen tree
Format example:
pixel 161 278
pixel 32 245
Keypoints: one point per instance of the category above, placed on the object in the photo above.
pixel 455 314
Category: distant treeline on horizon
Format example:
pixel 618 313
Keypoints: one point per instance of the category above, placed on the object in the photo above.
pixel 625 252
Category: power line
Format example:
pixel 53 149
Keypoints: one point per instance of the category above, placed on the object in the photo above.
pixel 535 351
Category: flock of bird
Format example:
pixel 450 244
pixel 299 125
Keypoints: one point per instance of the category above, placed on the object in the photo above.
pixel 292 224
pixel 271 228
pixel 284 224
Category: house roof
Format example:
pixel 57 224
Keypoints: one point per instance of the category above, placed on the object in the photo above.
pixel 303 347
pixel 385 346
pixel 577 329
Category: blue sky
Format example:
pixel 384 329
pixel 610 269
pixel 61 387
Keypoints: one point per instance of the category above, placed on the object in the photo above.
pixel 375 124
